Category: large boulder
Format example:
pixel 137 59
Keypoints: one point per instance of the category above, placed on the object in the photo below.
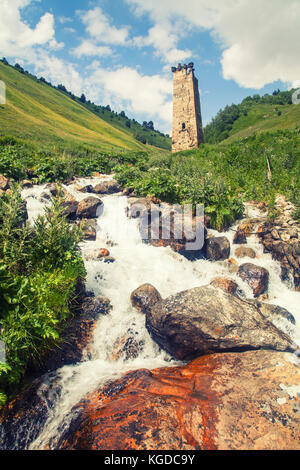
pixel 163 225
pixel 232 401
pixel 70 209
pixel 90 208
pixel 204 319
pixel 256 276
pixel 107 187
pixel 145 297
pixel 217 248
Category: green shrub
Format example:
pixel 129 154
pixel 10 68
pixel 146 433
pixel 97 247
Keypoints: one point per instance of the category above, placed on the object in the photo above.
pixel 39 269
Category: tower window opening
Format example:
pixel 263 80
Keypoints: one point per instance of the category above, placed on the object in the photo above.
pixel 183 126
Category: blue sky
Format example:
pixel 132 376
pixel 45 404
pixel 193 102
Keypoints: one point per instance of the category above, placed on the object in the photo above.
pixel 120 52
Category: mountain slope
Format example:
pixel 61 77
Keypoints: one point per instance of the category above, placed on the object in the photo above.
pixel 265 118
pixel 39 113
pixel 256 114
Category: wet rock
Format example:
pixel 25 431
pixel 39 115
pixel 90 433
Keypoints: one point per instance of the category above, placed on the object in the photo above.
pixel 86 189
pixel 103 253
pixel 26 184
pixel 205 319
pixel 139 207
pixel 108 259
pixel 217 248
pixel 90 230
pixel 45 195
pixel 4 183
pixel 145 297
pixel 162 225
pixel 90 208
pixel 240 238
pixel 22 419
pixel 244 252
pixel 53 189
pixel 274 312
pixel 232 401
pixel 70 209
pixel 127 191
pixel 127 346
pixel 256 276
pixel 227 285
pixel 107 187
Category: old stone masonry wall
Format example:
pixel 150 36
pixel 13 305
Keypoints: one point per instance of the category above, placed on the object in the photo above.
pixel 187 121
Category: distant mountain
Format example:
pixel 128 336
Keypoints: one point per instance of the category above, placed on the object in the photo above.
pixel 39 112
pixel 255 114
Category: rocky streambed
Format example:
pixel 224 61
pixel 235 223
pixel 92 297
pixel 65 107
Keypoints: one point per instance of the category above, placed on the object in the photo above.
pixel 169 350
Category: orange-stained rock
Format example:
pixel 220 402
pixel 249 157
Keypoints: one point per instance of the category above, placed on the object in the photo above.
pixel 240 401
pixel 227 285
pixel 103 253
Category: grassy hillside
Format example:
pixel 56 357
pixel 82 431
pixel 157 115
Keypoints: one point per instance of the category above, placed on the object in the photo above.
pixel 265 118
pixel 254 115
pixel 39 114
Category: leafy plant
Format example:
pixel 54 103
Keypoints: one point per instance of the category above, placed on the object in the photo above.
pixel 39 269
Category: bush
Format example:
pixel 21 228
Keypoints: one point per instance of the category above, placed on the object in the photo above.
pixel 39 269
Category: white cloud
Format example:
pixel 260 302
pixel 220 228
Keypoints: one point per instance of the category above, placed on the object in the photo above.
pixel 58 71
pixel 260 38
pixel 99 28
pixel 88 48
pixel 17 38
pixel 65 19
pixel 164 37
pixel 148 96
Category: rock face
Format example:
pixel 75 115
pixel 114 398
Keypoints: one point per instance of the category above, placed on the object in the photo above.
pixel 204 320
pixel 233 401
pixel 217 248
pixel 256 276
pixel 89 208
pixel 107 187
pixel 145 297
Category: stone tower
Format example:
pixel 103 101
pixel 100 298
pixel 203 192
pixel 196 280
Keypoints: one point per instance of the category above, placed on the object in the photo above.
pixel 187 121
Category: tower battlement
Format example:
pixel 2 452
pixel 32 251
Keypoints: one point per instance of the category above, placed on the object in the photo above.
pixel 187 120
